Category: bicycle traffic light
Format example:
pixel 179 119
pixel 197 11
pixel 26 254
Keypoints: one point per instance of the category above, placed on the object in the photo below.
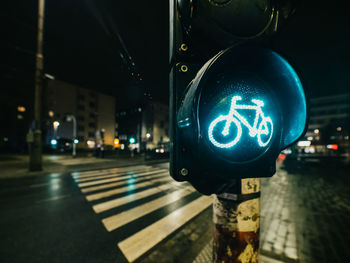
pixel 234 109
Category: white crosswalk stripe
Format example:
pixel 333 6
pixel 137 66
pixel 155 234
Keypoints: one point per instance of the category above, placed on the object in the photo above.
pixel 115 179
pixel 113 222
pixel 78 161
pixel 119 188
pixel 108 174
pixel 130 181
pixel 139 243
pixel 112 170
pixel 101 207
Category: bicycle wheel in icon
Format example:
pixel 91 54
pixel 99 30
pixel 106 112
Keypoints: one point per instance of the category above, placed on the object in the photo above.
pixel 216 129
pixel 265 131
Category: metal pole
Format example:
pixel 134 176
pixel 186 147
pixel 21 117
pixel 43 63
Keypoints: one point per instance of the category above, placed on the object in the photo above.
pixel 236 218
pixel 74 153
pixel 35 158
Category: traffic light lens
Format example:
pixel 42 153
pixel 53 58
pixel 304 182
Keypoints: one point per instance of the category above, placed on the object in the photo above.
pixel 261 127
pixel 239 116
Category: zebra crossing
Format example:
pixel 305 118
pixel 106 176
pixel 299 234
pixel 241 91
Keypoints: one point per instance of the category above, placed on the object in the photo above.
pixel 80 161
pixel 113 189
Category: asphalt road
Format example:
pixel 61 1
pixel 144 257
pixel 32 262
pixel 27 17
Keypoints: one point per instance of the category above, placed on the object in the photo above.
pixel 53 218
pixel 126 214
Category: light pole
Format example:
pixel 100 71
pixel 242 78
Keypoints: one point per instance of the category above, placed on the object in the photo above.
pixel 35 154
pixel 74 120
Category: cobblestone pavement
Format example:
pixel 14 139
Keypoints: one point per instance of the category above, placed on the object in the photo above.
pixel 305 212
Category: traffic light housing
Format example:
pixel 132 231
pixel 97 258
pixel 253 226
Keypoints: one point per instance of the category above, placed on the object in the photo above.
pixel 233 109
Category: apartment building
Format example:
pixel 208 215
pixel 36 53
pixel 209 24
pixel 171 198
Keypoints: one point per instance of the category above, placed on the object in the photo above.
pixel 94 113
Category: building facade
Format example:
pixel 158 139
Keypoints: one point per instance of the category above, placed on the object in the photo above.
pixel 94 113
pixel 329 124
pixel 155 125
pixel 147 124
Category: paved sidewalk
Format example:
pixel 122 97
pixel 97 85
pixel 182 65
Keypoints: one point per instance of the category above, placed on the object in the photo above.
pixel 305 214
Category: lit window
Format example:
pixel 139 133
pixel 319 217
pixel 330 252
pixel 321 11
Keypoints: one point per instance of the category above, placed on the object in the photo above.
pixel 21 109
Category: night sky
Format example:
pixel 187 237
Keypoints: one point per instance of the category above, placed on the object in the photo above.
pixel 82 46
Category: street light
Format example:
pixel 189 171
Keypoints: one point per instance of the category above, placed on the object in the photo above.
pixel 72 118
pixel 55 127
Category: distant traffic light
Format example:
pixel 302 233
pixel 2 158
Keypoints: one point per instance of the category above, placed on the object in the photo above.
pixel 234 106
pixel 132 140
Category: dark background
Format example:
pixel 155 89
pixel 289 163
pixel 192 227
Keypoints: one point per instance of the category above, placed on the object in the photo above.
pixel 82 46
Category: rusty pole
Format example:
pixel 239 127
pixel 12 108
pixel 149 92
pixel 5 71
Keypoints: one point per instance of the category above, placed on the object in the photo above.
pixel 236 218
pixel 35 154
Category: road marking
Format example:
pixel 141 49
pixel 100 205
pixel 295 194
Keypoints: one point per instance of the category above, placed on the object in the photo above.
pixel 98 196
pixel 117 178
pixel 113 222
pixel 101 207
pixel 123 182
pixel 136 245
pixel 112 170
pixel 115 175
pixel 120 176
pixel 81 161
pixel 96 175
pixel 108 175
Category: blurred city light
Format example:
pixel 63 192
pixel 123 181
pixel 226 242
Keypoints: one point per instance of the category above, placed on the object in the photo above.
pixel 56 124
pixel 21 109
pixel 132 140
pixel 287 151
pixel 76 141
pixel 332 146
pixel 339 128
pixel 309 150
pixel 316 131
pixel 148 135
pixel 49 76
pixel 304 143
pixel 91 144
pixel 53 142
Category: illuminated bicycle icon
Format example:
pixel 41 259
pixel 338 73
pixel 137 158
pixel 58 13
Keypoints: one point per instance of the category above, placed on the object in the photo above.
pixel 263 132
